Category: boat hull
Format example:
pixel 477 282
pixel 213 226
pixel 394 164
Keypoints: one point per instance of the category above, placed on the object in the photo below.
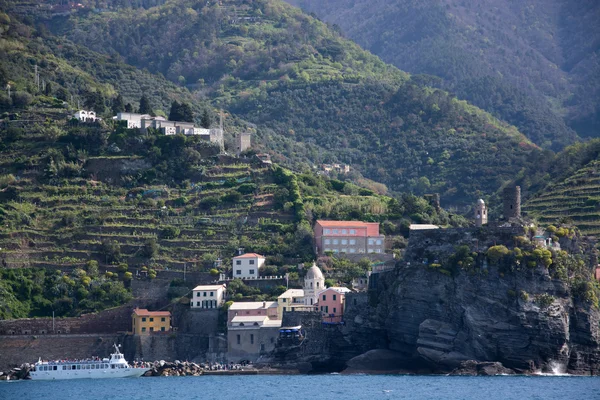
pixel 87 374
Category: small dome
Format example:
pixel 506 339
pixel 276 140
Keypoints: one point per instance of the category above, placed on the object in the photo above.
pixel 314 273
pixel 480 201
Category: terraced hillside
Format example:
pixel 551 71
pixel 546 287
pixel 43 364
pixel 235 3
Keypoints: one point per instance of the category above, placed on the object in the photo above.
pixel 576 199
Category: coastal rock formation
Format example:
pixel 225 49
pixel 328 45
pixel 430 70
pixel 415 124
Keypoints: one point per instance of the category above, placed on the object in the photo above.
pixel 479 318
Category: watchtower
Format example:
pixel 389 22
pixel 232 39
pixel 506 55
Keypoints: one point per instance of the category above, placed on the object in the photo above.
pixel 481 213
pixel 242 142
pixel 511 198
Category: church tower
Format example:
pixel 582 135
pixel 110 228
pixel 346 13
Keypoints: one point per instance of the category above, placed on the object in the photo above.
pixel 481 213
pixel 314 282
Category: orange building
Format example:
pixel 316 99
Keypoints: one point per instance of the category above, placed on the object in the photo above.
pixel 145 322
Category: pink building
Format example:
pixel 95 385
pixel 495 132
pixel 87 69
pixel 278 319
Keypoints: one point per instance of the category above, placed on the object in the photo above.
pixel 598 273
pixel 252 309
pixel 348 237
pixel 331 304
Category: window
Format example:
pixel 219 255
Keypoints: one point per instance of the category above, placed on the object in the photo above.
pixel 143 319
pixel 334 310
pixel 344 250
pixel 327 241
pixel 251 272
pixel 324 297
pixel 344 232
pixel 204 294
pixel 162 328
pixel 238 271
pixel 162 319
pixel 238 262
pixel 143 329
pixel 284 300
pixel 251 262
pixel 335 241
pixel 317 285
pixel 335 231
pixel 326 309
pixel 251 339
pixel 344 241
pixel 352 241
pixel 212 294
pixel 197 304
pixel 238 339
pixel 379 242
pixel 353 231
pixel 334 297
pixel 378 250
pixel 326 231
pixel 352 250
pixel 151 319
pixel 151 329
pixel 284 309
pixel 197 294
pixel 371 241
pixel 321 308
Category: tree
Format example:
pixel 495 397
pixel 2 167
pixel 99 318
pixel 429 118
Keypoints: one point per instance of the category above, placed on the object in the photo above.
pixel 48 89
pixel 95 101
pixel 145 107
pixel 206 120
pixel 111 250
pixel 118 105
pixel 181 112
pixel 128 108
pixel 150 249
pixel 62 94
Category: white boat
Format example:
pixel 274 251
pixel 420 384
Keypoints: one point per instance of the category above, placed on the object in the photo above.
pixel 115 367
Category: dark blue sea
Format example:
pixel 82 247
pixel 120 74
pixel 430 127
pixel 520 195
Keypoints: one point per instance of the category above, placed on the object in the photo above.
pixel 317 387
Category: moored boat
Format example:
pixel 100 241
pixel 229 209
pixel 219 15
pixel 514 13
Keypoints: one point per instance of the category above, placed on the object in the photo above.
pixel 114 367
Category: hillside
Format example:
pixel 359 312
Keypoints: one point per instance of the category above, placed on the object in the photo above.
pixel 533 64
pixel 288 74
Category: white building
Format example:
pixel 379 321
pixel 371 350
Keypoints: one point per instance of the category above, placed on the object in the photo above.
pixel 247 265
pixel 86 116
pixel 208 296
pixel 133 120
pixel 314 282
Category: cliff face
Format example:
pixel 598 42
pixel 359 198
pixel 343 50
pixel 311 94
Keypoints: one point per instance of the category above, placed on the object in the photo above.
pixel 432 320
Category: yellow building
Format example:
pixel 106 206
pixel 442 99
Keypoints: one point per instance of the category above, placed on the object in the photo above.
pixel 145 322
pixel 290 300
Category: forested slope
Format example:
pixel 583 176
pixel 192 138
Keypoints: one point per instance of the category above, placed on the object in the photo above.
pixel 533 64
pixel 314 96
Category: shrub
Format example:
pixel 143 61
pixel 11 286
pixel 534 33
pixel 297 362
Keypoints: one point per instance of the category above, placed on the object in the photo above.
pixel 544 300
pixel 170 232
pixel 496 253
pixel 150 248
pixel 214 272
pixel 524 295
pixel 247 188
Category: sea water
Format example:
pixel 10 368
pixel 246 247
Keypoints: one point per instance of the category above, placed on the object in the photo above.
pixel 313 387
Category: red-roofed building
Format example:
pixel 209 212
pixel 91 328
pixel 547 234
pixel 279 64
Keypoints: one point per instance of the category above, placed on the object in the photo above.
pixel 246 266
pixel 349 237
pixel 145 322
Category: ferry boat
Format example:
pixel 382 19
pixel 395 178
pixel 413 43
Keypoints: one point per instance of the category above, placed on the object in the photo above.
pixel 115 367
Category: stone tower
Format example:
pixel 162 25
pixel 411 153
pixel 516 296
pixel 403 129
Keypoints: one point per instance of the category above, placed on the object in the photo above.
pixel 242 142
pixel 511 198
pixel 481 213
pixel 314 282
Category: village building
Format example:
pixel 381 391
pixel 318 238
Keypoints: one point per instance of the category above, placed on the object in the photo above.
pixel 348 237
pixel 248 337
pixel 86 116
pixel 327 169
pixel 252 309
pixel 314 282
pixel 331 304
pixel 290 300
pixel 422 227
pixel 247 266
pixel 361 283
pixel 145 322
pixel 133 120
pixel 208 296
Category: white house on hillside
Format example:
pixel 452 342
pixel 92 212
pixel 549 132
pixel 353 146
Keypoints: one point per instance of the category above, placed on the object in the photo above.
pixel 247 265
pixel 86 116
pixel 208 296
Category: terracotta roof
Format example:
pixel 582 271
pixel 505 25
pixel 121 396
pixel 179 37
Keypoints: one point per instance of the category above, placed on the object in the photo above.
pixel 142 312
pixel 250 255
pixel 334 224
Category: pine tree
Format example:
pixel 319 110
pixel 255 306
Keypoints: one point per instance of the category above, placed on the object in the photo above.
pixel 205 121
pixel 174 114
pixel 185 112
pixel 145 107
pixel 118 105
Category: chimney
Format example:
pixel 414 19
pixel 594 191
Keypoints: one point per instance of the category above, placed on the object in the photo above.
pixel 240 251
pixel 264 304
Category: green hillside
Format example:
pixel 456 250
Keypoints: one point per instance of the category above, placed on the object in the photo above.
pixel 532 64
pixel 313 96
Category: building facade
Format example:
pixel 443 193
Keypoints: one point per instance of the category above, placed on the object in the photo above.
pixel 247 266
pixel 208 296
pixel 481 213
pixel 290 300
pixel 314 282
pixel 252 309
pixel 348 237
pixel 243 142
pixel 145 322
pixel 250 337
pixel 85 116
pixel 331 304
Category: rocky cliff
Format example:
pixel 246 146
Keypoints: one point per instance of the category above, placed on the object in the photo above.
pixel 439 311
